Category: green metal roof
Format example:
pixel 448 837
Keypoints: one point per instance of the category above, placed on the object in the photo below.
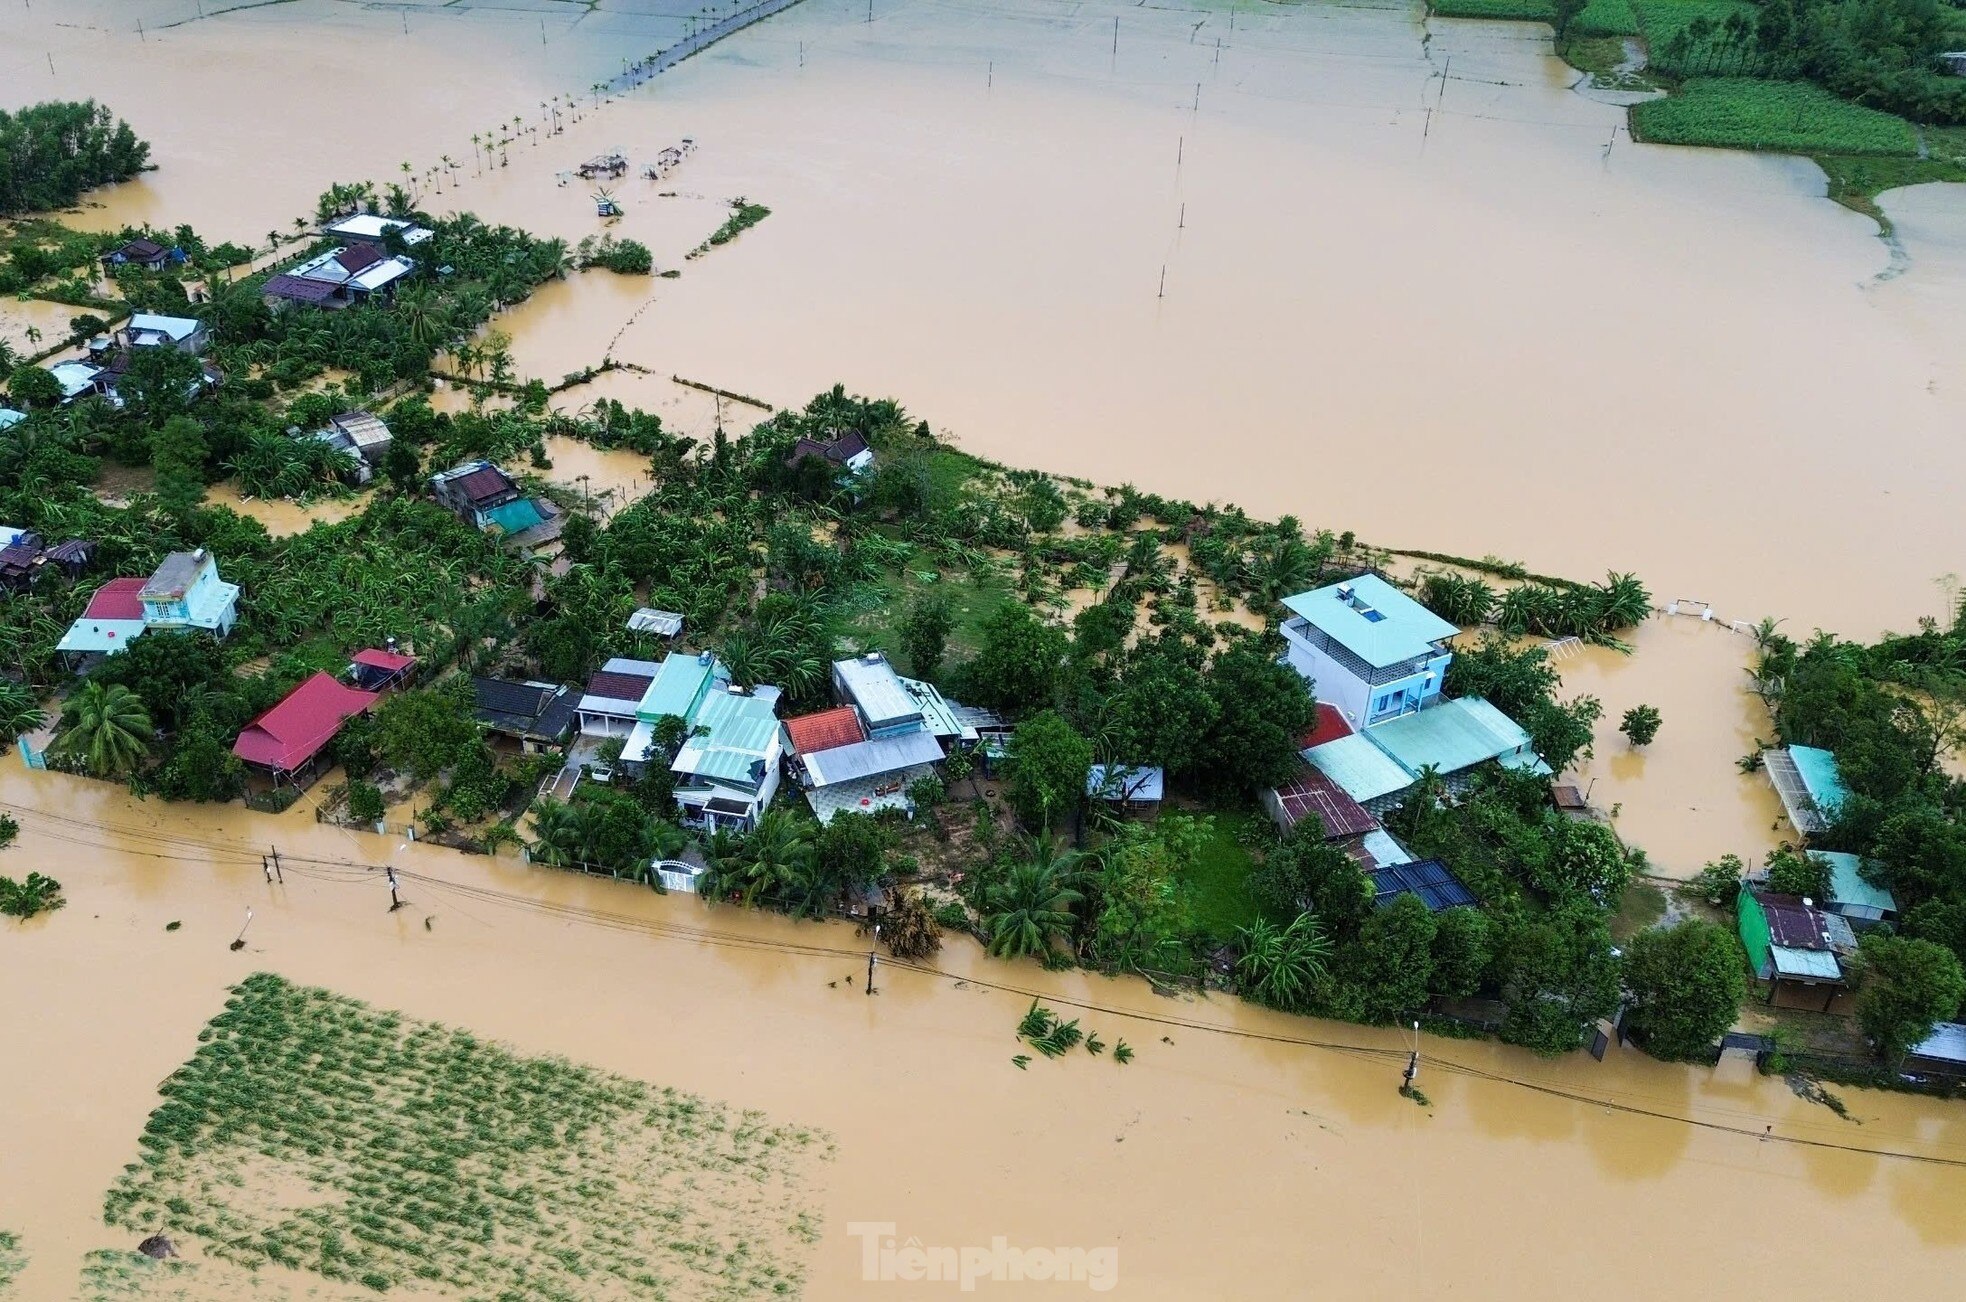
pixel 678 686
pixel 1379 624
pixel 515 516
pixel 730 733
pixel 1451 737
pixel 1847 885
pixel 1361 769
pixel 1821 776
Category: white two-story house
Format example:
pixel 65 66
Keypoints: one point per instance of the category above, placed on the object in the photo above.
pixel 1368 649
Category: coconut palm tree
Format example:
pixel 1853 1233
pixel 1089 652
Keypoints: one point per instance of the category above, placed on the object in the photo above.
pixel 106 729
pixel 774 856
pixel 1030 911
pixel 558 837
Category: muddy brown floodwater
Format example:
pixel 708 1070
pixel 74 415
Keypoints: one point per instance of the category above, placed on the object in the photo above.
pixel 1227 1160
pixel 1381 273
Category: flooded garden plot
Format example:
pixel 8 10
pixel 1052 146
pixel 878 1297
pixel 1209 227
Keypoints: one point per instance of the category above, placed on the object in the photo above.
pixel 314 1133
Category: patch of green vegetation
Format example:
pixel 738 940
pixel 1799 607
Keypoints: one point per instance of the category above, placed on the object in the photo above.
pixel 1217 880
pixel 1605 18
pixel 316 1133
pixel 1856 182
pixel 1682 36
pixel 743 216
pixel 110 1275
pixel 1605 59
pixel 1641 908
pixel 12 1259
pixel 1527 11
pixel 1786 116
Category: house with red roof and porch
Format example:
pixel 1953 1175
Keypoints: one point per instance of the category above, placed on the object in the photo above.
pixel 286 742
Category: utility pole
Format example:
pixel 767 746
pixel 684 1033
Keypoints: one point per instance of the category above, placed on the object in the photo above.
pixel 239 941
pixel 273 852
pixel 1163 281
pixel 395 900
pixel 870 958
pixel 1412 1072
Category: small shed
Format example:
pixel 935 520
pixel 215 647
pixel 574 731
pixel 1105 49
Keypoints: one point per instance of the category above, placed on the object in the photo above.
pixel 1809 783
pixel 1942 1053
pixel 662 623
pixel 1858 901
pixel 1789 940
pixel 1137 789
pixel 367 433
pixel 376 670
pixel 1311 792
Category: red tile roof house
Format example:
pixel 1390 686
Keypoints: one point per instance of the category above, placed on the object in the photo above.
pixel 286 742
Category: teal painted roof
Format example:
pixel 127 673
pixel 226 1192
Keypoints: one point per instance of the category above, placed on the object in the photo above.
pixel 1361 769
pixel 1452 736
pixel 678 686
pixel 515 516
pixel 1847 885
pixel 729 735
pixel 1379 624
pixel 1805 964
pixel 1821 776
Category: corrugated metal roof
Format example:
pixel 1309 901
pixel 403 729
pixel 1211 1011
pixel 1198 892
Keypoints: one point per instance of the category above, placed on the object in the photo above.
pixel 662 623
pixel 1379 624
pixel 1428 878
pixel 869 759
pixel 175 328
pixel 175 574
pixel 1361 769
pixel 938 712
pixel 1384 850
pixel 1125 782
pixel 730 735
pixel 1822 778
pixel 1847 885
pixel 1792 923
pixel 871 684
pixel 679 685
pixel 1453 736
pixel 1805 964
pixel 1313 792
pixel 1946 1043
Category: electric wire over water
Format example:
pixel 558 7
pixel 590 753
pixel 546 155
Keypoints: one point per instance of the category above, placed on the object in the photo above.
pixel 183 848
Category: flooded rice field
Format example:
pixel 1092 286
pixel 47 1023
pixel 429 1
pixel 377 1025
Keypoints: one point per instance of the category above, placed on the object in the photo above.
pixel 1231 1127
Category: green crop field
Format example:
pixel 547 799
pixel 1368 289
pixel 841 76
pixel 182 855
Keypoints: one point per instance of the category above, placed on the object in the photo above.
pixel 1789 116
pixel 313 1133
pixel 1661 20
pixel 1606 18
pixel 1528 11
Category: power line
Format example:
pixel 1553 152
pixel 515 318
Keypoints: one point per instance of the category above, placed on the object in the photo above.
pixel 347 872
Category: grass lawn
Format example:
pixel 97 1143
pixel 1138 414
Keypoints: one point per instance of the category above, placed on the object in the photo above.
pixel 1219 881
pixel 1785 116
pixel 1855 182
pixel 312 1132
pixel 876 621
